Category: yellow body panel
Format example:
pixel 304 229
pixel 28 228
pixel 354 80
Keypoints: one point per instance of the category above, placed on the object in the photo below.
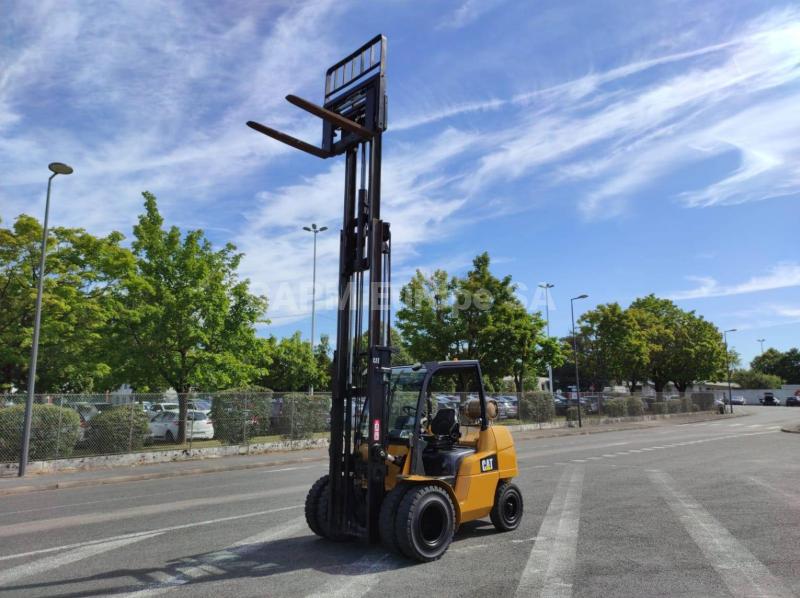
pixel 473 495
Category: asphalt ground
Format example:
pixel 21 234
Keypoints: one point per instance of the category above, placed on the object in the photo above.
pixel 700 509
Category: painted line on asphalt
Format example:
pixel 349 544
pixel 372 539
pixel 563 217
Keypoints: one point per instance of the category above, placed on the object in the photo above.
pixel 743 574
pixel 218 562
pixel 791 497
pixel 145 533
pixel 358 578
pixel 41 525
pixel 59 560
pixel 551 564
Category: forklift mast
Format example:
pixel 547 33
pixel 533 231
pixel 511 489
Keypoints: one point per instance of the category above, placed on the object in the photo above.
pixel 353 120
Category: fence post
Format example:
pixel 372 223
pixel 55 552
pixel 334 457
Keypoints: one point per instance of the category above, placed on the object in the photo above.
pixel 58 432
pixel 291 424
pixel 131 403
pixel 244 424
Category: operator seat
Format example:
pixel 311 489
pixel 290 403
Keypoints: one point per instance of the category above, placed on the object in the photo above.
pixel 441 457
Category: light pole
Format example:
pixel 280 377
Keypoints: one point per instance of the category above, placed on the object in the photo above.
pixel 56 168
pixel 547 286
pixel 761 342
pixel 316 231
pixel 575 349
pixel 728 365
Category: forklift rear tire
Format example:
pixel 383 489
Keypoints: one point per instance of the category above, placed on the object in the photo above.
pixel 312 504
pixel 506 514
pixel 425 523
pixel 386 524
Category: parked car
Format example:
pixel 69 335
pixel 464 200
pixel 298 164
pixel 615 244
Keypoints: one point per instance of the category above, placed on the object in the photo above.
pixel 793 401
pixel 735 400
pixel 719 405
pixel 164 426
pixel 510 405
pixel 157 408
pixel 769 400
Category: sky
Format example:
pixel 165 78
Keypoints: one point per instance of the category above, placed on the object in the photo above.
pixel 609 148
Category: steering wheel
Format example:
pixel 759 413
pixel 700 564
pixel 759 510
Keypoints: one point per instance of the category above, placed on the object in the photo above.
pixel 409 410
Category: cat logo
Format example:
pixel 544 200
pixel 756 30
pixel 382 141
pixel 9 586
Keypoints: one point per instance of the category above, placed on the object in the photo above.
pixel 488 463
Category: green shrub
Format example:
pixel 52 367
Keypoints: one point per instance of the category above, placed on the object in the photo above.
pixel 118 430
pixel 572 414
pixel 240 415
pixel 614 408
pixel 686 404
pixel 302 415
pixel 694 408
pixel 537 407
pixel 704 400
pixel 634 406
pixel 673 406
pixel 54 432
pixel 659 407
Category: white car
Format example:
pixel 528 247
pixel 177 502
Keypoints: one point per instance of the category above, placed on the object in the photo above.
pixel 164 426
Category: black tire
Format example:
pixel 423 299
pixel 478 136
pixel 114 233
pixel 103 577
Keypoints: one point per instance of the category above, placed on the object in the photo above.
pixel 169 437
pixel 322 517
pixel 425 523
pixel 388 516
pixel 506 514
pixel 312 504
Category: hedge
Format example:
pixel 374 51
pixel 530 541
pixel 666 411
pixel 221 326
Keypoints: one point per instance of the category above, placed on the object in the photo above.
pixel 572 414
pixel 704 400
pixel 301 415
pixel 238 416
pixel 537 407
pixel 54 432
pixel 118 430
pixel 614 408
pixel 659 407
pixel 673 406
pixel 686 404
pixel 634 406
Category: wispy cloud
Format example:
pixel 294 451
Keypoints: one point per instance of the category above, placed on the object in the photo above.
pixel 468 12
pixel 780 276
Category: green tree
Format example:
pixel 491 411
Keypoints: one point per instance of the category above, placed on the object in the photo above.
pixel 81 270
pixel 755 379
pixel 477 316
pixel 184 318
pixel 324 364
pixel 294 365
pixel 785 365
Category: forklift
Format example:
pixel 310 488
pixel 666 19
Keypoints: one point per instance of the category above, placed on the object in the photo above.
pixel 410 460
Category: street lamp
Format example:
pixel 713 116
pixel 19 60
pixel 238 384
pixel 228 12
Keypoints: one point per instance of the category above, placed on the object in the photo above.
pixel 56 168
pixel 728 365
pixel 547 286
pixel 761 342
pixel 316 231
pixel 575 349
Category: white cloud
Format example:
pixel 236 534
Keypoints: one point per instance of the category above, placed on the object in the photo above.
pixel 780 276
pixel 468 12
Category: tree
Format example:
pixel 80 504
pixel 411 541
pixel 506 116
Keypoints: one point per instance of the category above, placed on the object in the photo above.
pixel 656 320
pixel 477 316
pixel 755 379
pixel 785 365
pixel 184 318
pixel 324 363
pixel 294 365
pixel 81 270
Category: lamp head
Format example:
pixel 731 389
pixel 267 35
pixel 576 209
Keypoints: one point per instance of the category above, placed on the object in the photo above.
pixel 59 168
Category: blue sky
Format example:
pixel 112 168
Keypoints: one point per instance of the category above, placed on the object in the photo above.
pixel 611 148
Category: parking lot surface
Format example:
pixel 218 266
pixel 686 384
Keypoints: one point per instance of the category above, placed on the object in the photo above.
pixel 700 509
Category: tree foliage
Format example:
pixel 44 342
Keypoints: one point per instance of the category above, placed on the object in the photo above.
pixel 785 365
pixel 755 379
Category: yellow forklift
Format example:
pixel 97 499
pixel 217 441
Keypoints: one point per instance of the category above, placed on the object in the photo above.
pixel 413 453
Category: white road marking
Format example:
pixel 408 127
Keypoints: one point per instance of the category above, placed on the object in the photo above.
pixel 40 525
pixel 734 425
pixel 578 461
pixel 357 579
pixel 755 425
pixel 743 574
pixel 214 562
pixel 145 533
pixel 59 560
pixel 609 456
pixel 551 564
pixel 791 497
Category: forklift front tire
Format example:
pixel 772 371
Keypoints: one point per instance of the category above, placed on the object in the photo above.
pixel 506 514
pixel 312 504
pixel 388 516
pixel 425 523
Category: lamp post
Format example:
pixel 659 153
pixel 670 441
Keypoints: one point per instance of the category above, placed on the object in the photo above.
pixel 547 286
pixel 575 349
pixel 761 342
pixel 728 366
pixel 56 168
pixel 316 231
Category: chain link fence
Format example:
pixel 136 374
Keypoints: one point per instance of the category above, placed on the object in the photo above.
pixel 72 426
